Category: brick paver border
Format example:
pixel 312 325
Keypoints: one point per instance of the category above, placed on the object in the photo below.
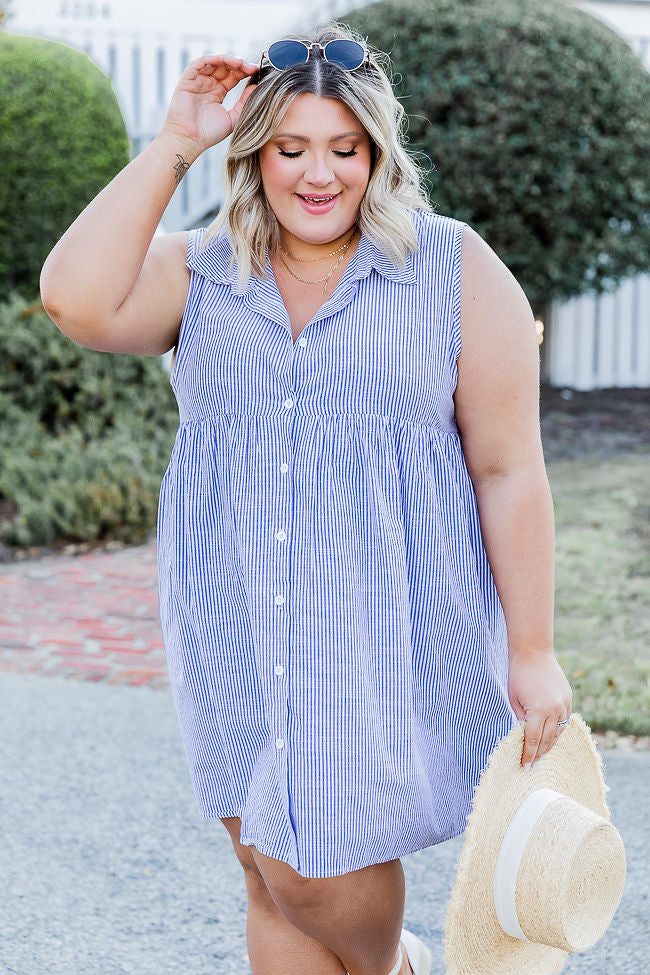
pixel 92 616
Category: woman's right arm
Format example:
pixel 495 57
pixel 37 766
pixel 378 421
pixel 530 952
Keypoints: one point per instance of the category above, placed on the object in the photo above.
pixel 108 283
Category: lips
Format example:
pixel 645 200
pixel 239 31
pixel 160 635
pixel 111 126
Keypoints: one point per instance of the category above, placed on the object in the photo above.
pixel 317 202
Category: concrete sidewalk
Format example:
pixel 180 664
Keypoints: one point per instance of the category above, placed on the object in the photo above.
pixel 108 869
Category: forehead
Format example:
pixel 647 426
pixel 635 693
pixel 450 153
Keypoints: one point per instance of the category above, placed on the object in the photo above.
pixel 314 116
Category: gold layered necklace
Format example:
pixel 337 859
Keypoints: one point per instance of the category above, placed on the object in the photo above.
pixel 343 249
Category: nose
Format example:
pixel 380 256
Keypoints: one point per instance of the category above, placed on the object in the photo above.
pixel 319 173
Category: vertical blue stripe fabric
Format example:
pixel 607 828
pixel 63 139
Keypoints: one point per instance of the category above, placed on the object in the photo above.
pixel 336 646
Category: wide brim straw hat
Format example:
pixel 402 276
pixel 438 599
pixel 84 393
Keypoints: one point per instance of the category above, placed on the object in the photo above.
pixel 542 869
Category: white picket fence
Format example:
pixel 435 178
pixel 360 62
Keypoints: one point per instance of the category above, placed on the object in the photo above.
pixel 600 341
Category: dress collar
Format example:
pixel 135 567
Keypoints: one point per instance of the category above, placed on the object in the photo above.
pixel 215 263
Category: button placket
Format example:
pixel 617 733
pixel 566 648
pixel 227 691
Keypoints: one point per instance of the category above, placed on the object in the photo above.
pixel 284 499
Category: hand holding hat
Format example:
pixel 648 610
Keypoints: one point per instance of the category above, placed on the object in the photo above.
pixel 540 696
pixel 542 869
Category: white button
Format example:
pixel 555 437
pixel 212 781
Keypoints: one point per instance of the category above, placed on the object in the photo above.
pixel 279 743
pixel 279 669
pixel 288 403
pixel 279 600
pixel 302 342
pixel 281 535
pixel 284 468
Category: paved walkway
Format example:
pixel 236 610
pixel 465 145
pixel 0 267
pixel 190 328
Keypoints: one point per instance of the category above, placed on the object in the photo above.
pixel 108 869
pixel 92 616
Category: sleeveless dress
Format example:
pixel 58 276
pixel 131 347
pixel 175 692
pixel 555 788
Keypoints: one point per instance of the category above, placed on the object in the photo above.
pixel 336 646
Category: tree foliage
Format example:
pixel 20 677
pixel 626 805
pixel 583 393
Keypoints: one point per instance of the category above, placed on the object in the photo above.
pixel 535 117
pixel 62 139
pixel 85 436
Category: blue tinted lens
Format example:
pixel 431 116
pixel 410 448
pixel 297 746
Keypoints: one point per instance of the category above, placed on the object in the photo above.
pixel 283 54
pixel 347 54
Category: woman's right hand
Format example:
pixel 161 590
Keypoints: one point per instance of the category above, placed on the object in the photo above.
pixel 196 114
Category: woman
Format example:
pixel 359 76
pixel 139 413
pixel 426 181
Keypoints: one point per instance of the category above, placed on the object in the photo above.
pixel 355 530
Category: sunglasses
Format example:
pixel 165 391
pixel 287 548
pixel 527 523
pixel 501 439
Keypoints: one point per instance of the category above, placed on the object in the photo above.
pixel 348 55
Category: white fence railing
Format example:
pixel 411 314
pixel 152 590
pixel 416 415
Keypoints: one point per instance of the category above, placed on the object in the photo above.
pixel 599 341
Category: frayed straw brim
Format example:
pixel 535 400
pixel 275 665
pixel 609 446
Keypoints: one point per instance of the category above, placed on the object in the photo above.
pixel 475 942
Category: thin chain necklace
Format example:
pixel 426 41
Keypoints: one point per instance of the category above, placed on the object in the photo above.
pixel 324 280
pixel 313 260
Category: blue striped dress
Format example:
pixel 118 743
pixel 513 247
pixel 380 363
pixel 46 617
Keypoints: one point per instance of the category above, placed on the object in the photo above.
pixel 336 646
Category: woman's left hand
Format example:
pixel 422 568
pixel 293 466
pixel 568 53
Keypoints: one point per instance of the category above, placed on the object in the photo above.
pixel 541 695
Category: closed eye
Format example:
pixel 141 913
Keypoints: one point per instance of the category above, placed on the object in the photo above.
pixel 298 152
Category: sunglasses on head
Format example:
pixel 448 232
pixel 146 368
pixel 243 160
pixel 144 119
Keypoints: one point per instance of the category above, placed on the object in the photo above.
pixel 281 55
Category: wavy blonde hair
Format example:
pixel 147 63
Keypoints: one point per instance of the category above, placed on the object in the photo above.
pixel 396 185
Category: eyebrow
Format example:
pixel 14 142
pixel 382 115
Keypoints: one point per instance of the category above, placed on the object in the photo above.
pixel 301 138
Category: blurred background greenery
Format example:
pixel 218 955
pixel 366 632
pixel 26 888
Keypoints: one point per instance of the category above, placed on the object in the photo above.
pixel 534 118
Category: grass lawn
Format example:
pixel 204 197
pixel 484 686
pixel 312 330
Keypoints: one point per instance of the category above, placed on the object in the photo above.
pixel 602 587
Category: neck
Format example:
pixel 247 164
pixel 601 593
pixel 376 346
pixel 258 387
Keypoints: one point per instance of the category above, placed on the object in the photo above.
pixel 305 250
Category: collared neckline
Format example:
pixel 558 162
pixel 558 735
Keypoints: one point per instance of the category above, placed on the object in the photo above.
pixel 215 264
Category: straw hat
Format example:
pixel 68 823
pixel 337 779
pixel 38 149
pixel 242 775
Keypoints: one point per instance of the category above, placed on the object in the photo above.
pixel 542 869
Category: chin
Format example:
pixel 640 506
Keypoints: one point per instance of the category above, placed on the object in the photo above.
pixel 322 234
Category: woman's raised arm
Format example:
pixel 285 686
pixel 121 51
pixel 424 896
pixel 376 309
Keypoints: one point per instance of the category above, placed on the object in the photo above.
pixel 107 283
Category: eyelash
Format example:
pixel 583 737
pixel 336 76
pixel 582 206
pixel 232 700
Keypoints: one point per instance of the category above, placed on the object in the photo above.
pixel 294 155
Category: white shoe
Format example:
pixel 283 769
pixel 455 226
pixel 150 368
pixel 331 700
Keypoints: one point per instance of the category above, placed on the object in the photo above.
pixel 418 954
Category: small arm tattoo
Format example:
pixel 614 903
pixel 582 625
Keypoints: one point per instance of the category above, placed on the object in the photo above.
pixel 180 168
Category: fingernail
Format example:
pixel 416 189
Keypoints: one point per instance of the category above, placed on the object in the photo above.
pixel 535 764
pixel 527 766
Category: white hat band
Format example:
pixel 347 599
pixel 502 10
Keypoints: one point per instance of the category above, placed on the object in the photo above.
pixel 510 853
pixel 577 862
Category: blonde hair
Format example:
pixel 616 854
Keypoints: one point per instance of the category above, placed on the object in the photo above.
pixel 396 185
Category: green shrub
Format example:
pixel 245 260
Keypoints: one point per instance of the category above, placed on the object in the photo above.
pixel 535 116
pixel 85 436
pixel 62 139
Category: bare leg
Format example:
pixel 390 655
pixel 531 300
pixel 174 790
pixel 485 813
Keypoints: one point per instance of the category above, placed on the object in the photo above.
pixel 360 915
pixel 275 945
pixel 356 918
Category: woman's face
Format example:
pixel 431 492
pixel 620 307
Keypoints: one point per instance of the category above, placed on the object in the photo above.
pixel 320 152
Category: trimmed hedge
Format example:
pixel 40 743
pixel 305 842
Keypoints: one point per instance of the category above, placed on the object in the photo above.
pixel 85 436
pixel 62 139
pixel 535 116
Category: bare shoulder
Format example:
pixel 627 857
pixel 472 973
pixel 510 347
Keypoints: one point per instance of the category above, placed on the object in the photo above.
pixel 172 247
pixel 497 393
pixel 488 287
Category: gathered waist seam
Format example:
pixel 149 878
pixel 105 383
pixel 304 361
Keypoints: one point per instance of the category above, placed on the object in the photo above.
pixel 293 416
